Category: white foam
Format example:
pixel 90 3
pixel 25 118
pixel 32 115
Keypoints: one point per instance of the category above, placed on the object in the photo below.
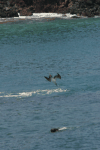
pixel 48 15
pixel 28 94
pixel 63 128
pixel 96 16
pixel 69 128
pixel 38 16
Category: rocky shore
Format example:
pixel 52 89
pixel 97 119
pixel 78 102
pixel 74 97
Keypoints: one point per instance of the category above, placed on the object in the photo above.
pixel 11 8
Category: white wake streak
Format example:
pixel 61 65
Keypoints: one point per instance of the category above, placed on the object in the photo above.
pixel 63 128
pixel 28 94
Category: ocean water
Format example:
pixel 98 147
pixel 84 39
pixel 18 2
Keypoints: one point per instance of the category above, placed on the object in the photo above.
pixel 30 105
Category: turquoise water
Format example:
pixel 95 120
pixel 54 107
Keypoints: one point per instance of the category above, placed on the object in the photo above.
pixel 30 105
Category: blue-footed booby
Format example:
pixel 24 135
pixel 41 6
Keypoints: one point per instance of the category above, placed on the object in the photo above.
pixel 53 79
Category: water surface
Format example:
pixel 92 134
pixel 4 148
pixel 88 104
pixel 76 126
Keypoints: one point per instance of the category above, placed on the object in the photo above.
pixel 30 105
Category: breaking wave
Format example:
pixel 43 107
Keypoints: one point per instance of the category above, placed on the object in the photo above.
pixel 36 92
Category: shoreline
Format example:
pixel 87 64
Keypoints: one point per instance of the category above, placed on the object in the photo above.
pixel 37 16
pixel 87 8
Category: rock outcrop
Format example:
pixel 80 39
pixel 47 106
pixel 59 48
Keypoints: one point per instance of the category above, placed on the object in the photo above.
pixel 11 8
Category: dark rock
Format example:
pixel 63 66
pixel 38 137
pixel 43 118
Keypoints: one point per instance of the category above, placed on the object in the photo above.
pixel 27 7
pixel 19 3
pixel 31 8
pixel 1 6
pixel 25 12
pixel 88 13
pixel 97 2
pixel 6 8
pixel 97 12
pixel 89 2
pixel 70 4
pixel 28 2
pixel 2 14
pixel 62 5
pixel 12 13
pixel 47 8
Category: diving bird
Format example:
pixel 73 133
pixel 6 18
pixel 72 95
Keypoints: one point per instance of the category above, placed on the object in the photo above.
pixel 53 79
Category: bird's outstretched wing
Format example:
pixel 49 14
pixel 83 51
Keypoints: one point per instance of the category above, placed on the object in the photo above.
pixel 49 79
pixel 57 76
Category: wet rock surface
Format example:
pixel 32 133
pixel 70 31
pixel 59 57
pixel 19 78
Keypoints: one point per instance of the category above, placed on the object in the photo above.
pixel 11 8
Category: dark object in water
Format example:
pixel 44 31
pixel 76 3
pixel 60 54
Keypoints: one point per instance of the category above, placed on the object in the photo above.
pixel 54 130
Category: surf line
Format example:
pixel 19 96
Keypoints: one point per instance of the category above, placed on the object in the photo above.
pixel 58 129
